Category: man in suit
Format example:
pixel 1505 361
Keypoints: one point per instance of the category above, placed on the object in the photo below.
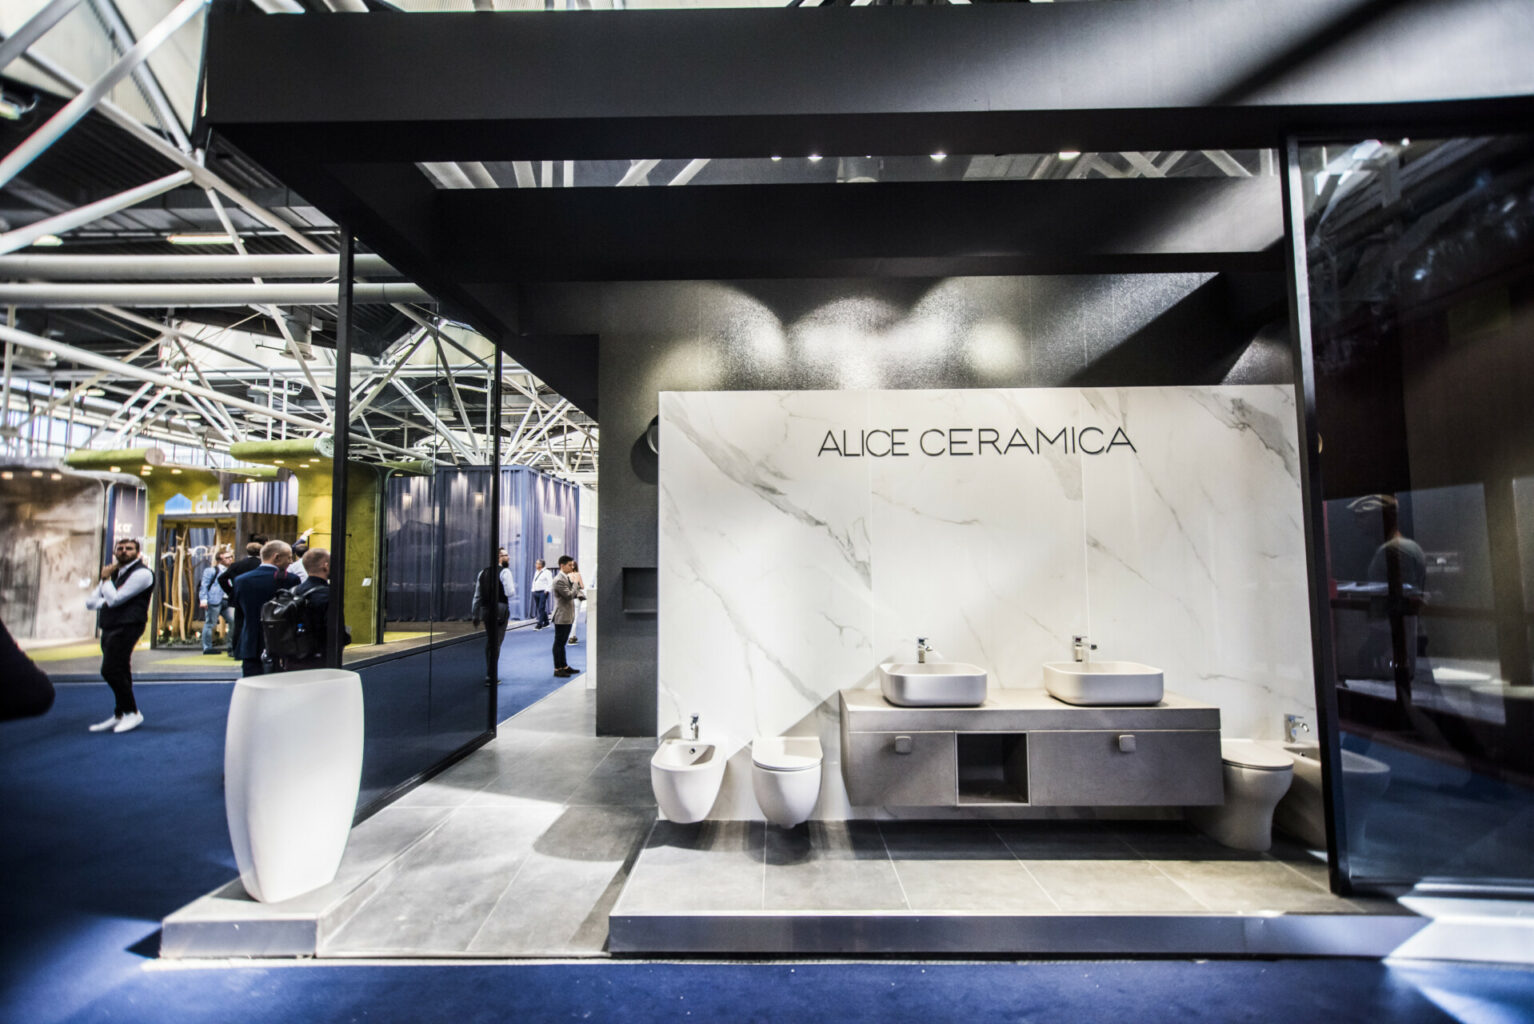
pixel 251 560
pixel 252 590
pixel 568 588
pixel 493 592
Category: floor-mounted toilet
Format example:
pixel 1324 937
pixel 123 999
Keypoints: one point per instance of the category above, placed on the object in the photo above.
pixel 1256 775
pixel 785 775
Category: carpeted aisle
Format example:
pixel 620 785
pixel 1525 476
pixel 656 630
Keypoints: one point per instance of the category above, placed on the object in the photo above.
pixel 103 835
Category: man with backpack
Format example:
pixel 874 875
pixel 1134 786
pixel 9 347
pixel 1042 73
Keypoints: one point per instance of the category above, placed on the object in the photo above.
pixel 251 591
pixel 295 621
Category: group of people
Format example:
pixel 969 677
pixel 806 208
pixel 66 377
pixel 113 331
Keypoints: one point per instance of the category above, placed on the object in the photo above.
pixel 494 591
pixel 231 591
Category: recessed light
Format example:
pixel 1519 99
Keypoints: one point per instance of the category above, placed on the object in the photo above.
pixel 814 158
pixel 1406 142
pixel 277 461
pixel 940 156
pixel 37 472
pixel 47 240
pixel 177 471
pixel 199 238
pixel 55 476
pixel 114 469
pixel 7 475
pixel 776 159
pixel 1069 154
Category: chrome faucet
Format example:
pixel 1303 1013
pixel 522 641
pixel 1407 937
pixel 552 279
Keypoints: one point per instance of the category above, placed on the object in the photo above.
pixel 921 650
pixel 692 727
pixel 1294 725
pixel 1081 650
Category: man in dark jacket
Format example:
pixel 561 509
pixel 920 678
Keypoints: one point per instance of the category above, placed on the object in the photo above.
pixel 492 603
pixel 316 589
pixel 252 590
pixel 251 561
pixel 122 603
pixel 25 689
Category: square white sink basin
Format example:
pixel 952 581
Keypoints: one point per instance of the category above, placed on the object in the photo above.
pixel 942 684
pixel 1107 683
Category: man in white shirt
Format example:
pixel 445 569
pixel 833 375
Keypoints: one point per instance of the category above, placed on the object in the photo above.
pixel 543 583
pixel 492 603
pixel 121 600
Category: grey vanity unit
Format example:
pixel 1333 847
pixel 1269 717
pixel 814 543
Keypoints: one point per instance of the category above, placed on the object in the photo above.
pixel 1024 748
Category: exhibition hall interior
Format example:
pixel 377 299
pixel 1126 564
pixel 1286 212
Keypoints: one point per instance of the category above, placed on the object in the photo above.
pixel 1064 538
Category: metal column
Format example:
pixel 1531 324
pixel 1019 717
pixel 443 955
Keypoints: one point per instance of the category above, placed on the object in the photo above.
pixel 336 621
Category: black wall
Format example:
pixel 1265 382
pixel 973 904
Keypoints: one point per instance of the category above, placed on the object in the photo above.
pixel 978 332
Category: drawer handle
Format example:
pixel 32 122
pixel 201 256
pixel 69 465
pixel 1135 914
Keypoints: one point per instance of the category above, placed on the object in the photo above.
pixel 902 744
pixel 1127 743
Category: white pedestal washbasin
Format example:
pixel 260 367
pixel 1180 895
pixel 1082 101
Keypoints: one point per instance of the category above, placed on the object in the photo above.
pixel 292 769
pixel 685 776
pixel 947 684
pixel 1107 683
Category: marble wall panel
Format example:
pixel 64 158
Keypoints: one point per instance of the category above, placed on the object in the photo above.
pixel 799 548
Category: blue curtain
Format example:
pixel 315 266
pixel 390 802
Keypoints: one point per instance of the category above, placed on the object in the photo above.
pixel 437 537
pixel 276 497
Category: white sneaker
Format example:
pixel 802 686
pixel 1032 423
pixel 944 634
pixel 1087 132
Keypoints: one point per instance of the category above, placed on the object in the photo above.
pixel 110 723
pixel 130 722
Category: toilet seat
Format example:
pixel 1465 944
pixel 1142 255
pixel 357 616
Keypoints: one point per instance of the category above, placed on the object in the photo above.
pixel 1254 756
pixel 786 753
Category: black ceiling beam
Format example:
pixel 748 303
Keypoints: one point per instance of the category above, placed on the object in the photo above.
pixel 992 78
pixel 864 230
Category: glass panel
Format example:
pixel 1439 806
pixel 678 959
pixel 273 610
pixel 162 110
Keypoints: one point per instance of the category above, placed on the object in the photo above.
pixel 1421 271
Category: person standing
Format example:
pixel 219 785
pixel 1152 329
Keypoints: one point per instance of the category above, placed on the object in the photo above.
pixel 493 590
pixel 543 583
pixel 122 603
pixel 251 561
pixel 575 624
pixel 567 590
pixel 252 590
pixel 211 596
pixel 315 589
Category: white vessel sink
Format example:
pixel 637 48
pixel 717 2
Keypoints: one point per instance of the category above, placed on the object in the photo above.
pixel 944 684
pixel 1115 683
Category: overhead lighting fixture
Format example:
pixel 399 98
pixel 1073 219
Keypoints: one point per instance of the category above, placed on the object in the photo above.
pixel 55 476
pixel 776 159
pixel 1406 142
pixel 199 238
pixel 37 472
pixel 1069 154
pixel 114 469
pixel 176 471
pixel 95 392
pixel 940 156
pixel 7 475
pixel 44 241
pixel 814 158
pixel 277 461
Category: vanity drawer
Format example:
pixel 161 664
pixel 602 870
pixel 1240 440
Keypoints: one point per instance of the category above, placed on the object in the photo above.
pixel 878 774
pixel 1125 768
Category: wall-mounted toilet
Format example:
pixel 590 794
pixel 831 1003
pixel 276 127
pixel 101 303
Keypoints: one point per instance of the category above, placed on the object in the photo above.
pixel 1256 775
pixel 785 775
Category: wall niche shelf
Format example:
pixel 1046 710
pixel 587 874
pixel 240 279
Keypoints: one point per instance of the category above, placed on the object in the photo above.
pixel 641 590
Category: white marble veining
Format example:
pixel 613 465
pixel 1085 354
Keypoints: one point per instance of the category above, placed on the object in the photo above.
pixel 807 536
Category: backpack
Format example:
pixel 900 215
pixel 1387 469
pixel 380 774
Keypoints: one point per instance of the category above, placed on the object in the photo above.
pixel 285 627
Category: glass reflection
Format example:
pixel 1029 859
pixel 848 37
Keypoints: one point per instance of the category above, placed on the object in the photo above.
pixel 1422 303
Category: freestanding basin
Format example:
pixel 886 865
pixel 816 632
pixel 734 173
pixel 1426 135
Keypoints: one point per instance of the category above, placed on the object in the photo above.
pixel 943 684
pixel 1107 683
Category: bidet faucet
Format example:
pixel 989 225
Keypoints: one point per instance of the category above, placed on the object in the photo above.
pixel 921 650
pixel 1081 650
pixel 1294 725
pixel 692 727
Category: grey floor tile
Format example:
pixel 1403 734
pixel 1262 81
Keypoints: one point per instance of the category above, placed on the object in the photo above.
pixel 991 886
pixel 1062 840
pixel 384 836
pixel 552 774
pixel 558 903
pixel 713 865
pixel 943 841
pixel 1112 887
pixel 455 786
pixel 446 885
pixel 1250 886
pixel 623 778
pixel 645 743
pixel 830 865
pixel 1175 840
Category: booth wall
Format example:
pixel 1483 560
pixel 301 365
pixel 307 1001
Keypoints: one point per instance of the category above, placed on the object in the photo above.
pixel 1096 330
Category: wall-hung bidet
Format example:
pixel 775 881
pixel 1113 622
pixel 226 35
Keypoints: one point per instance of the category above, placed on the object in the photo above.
pixel 1302 813
pixel 785 775
pixel 1256 775
pixel 686 775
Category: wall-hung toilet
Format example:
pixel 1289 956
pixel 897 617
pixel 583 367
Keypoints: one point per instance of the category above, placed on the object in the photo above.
pixel 785 775
pixel 1256 775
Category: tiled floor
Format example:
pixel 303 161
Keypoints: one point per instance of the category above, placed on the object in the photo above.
pixel 1017 868
pixel 536 833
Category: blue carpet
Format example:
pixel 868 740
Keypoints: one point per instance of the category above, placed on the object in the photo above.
pixel 104 835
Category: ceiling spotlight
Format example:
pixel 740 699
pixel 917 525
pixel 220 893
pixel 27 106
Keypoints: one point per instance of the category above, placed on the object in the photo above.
pixel 177 471
pixel 199 238
pixel 1406 142
pixel 7 475
pixel 55 476
pixel 1069 154
pixel 95 392
pixel 47 240
pixel 940 156
pixel 277 461
pixel 37 472
pixel 114 469
pixel 814 158
pixel 776 159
